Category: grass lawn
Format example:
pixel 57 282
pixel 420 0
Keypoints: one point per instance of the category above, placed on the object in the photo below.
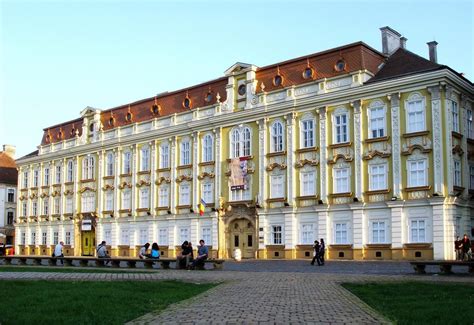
pixel 88 302
pixel 14 268
pixel 419 302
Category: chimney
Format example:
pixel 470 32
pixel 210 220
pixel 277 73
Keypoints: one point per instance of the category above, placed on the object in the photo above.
pixel 433 53
pixel 403 42
pixel 390 40
pixel 9 150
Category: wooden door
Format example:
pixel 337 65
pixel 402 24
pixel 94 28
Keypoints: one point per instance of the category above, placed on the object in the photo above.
pixel 242 236
pixel 88 243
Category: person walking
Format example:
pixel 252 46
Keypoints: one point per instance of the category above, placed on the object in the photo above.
pixel 58 251
pixel 466 248
pixel 322 250
pixel 316 256
pixel 458 248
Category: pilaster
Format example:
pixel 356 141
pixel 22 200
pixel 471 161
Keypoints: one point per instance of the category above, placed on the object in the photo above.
pixel 262 144
pixel 153 187
pixel 398 228
pixel 323 226
pixel 437 139
pixel 100 181
pixel 449 140
pixel 358 149
pixel 173 201
pixel 134 194
pixel 323 155
pixel 217 158
pixel 443 229
pixel 196 190
pixel 358 225
pixel 291 158
pixel 396 145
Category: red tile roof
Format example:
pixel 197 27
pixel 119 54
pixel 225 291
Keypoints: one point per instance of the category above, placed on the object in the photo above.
pixel 8 172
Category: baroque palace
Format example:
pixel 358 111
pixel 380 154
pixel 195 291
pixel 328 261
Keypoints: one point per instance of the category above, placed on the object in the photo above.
pixel 372 151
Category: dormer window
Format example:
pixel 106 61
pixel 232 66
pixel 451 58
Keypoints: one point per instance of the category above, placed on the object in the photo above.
pixel 277 80
pixel 242 89
pixel 340 65
pixel 308 73
pixel 91 127
pixel 155 109
pixel 128 117
pixel 187 101
pixel 208 97
pixel 111 121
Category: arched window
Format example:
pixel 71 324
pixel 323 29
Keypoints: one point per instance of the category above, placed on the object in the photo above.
pixel 110 164
pixel 207 152
pixel 88 167
pixel 277 137
pixel 241 142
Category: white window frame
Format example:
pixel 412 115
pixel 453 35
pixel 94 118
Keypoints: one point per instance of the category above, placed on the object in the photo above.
pixel 69 204
pixel 376 118
pixel 377 229
pixel 277 186
pixel 471 177
pixel 455 115
pixel 308 183
pixel 57 205
pixel 457 172
pixel 378 177
pixel 277 137
pixel 276 234
pixel 341 130
pixel 240 142
pixel 34 208
pixel 206 235
pixel 109 166
pixel 24 210
pixel 67 238
pixel 163 237
pixel 341 233
pixel 143 236
pixel 145 159
pixel 185 152
pixel 70 171
pixel 88 167
pixel 183 233
pixel 185 194
pixel 418 230
pixel 109 201
pixel 307 132
pixel 165 155
pixel 126 199
pixel 25 179
pixel 46 177
pixel 55 237
pixel 338 180
pixel 307 233
pixel 44 238
pixel 125 236
pixel 58 174
pixel 88 201
pixel 163 196
pixel 421 169
pixel 207 148
pixel 36 178
pixel 46 206
pixel 127 163
pixel 145 198
pixel 415 113
pixel 470 124
pixel 207 192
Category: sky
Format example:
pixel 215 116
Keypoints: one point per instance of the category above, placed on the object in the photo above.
pixel 57 57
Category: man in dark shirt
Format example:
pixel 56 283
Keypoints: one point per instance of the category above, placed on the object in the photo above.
pixel 458 248
pixel 466 248
pixel 186 256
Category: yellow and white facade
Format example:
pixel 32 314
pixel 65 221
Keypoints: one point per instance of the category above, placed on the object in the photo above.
pixel 380 170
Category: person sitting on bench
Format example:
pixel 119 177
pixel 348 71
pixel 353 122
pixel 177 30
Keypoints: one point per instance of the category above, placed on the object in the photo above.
pixel 102 251
pixel 155 251
pixel 186 256
pixel 142 254
pixel 203 252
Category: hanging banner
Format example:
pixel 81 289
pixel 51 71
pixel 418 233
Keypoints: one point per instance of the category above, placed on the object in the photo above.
pixel 238 174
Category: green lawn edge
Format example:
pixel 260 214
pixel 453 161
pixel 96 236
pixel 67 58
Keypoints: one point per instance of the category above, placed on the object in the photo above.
pixel 72 269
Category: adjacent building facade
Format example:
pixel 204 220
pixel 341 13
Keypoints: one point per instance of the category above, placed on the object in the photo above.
pixel 372 151
pixel 8 194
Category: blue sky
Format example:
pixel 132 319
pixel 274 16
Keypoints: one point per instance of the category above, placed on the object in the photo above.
pixel 58 57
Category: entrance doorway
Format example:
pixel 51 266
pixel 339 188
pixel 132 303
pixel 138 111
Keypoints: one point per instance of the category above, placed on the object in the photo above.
pixel 88 243
pixel 242 235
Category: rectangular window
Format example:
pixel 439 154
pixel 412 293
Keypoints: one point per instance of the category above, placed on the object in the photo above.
pixel 25 180
pixel 44 238
pixel 23 238
pixel 417 173
pixel 55 238
pixel 10 218
pixel 163 196
pixel 340 234
pixel 185 153
pixel 341 180
pixel 307 133
pixel 341 128
pixel 88 202
pixel 109 170
pixel 207 192
pixel 11 195
pixel 378 177
pixel 207 148
pixel 470 124
pixel 57 205
pixel 457 173
pixel 206 235
pixel 143 236
pixel 240 195
pixel 125 237
pixel 70 171
pixel 183 234
pixel 471 177
pixel 67 240
pixel 378 232
pixel 33 238
pixel 276 235
pixel 416 116
pixel 45 207
pixel 165 156
pixel 126 200
pixel 46 177
pixel 108 237
pixel 307 233
pixel 145 198
pixel 127 162
pixel 308 183
pixel 58 174
pixel 377 122
pixel 109 201
pixel 277 186
pixel 24 209
pixel 69 204
pixel 184 194
pixel 145 159
pixel 35 208
pixel 36 178
pixel 455 112
pixel 418 231
pixel 163 237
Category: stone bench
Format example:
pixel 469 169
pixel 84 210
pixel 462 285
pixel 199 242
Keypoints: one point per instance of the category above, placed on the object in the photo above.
pixel 444 266
pixel 101 262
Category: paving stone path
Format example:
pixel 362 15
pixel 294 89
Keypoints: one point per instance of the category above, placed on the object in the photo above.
pixel 263 296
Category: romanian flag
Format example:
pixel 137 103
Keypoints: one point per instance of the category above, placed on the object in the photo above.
pixel 201 206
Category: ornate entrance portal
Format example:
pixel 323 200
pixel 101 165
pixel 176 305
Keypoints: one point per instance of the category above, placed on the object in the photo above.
pixel 242 235
pixel 88 235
